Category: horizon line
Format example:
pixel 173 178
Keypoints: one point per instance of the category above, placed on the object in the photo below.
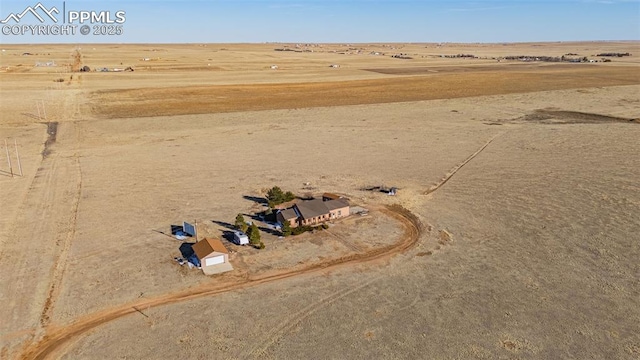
pixel 331 43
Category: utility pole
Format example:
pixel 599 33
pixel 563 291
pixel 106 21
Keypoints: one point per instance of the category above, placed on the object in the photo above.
pixel 44 111
pixel 6 147
pixel 195 227
pixel 15 142
pixel 38 108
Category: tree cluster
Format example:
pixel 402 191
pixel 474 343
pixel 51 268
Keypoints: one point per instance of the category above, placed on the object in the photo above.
pixel 614 54
pixel 459 56
pixel 275 196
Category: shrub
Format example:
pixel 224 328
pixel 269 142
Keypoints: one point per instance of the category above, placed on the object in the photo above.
pixel 301 229
pixel 304 228
pixel 286 229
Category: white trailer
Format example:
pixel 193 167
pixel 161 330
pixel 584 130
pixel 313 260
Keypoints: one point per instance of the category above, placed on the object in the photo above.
pixel 240 238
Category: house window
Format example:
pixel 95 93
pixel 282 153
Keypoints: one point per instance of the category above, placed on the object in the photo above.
pixel 339 212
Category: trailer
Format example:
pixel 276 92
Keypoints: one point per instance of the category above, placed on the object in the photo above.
pixel 240 238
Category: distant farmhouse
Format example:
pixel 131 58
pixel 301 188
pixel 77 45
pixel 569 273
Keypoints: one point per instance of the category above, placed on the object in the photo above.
pixel 315 212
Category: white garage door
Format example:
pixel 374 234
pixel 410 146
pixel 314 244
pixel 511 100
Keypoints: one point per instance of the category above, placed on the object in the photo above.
pixel 214 261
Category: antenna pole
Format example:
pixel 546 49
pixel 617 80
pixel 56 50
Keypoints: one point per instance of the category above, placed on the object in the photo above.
pixel 38 108
pixel 8 157
pixel 44 111
pixel 15 142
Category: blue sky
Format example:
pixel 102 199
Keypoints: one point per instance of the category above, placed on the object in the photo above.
pixel 350 21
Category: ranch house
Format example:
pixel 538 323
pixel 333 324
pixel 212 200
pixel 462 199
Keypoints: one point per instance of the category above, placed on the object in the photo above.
pixel 314 212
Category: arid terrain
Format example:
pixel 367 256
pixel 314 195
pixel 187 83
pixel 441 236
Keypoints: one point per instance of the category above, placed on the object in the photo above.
pixel 514 233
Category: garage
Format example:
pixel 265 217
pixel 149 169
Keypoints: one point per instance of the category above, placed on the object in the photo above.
pixel 213 256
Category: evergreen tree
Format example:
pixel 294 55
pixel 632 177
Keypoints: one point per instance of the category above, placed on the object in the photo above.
pixel 275 195
pixel 288 196
pixel 254 235
pixel 286 228
pixel 240 223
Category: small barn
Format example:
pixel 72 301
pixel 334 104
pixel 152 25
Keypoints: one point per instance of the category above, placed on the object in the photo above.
pixel 213 256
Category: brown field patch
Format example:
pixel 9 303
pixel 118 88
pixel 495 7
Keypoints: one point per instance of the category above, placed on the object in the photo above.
pixel 165 101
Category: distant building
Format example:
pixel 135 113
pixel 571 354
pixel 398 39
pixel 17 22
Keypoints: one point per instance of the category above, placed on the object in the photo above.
pixel 315 212
pixel 330 196
pixel 213 256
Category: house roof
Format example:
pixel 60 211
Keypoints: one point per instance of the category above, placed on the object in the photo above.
pixel 207 246
pixel 312 208
pixel 289 214
pixel 336 204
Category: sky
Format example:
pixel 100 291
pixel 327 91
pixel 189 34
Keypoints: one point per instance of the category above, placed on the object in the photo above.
pixel 333 21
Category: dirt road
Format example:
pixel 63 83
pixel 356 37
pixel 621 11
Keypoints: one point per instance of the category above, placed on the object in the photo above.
pixel 44 224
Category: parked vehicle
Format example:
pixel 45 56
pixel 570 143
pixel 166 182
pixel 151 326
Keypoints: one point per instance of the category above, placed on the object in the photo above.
pixel 240 238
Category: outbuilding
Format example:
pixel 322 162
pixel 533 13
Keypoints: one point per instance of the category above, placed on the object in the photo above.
pixel 213 256
pixel 330 196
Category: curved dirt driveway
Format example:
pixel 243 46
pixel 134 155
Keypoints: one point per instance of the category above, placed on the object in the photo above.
pixel 56 338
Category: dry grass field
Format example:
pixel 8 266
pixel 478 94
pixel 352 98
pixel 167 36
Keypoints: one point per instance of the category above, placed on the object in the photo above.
pixel 514 233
